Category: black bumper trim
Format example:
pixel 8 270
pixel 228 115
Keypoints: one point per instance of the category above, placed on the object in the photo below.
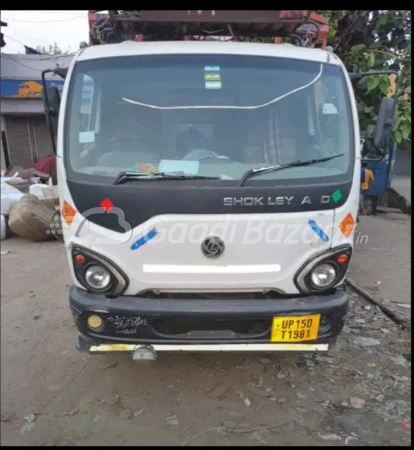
pixel 137 320
pixel 179 307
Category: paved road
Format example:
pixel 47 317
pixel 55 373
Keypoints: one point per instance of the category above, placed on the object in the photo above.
pixel 402 185
pixel 382 257
pixel 402 165
pixel 401 179
pixel 53 395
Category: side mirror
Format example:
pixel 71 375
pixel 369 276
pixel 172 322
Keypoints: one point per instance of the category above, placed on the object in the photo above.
pixel 51 100
pixel 383 127
pixel 61 72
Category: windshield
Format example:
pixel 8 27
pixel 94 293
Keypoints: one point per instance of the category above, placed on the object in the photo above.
pixel 208 115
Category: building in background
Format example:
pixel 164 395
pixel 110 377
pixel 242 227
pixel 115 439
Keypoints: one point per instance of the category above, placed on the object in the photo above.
pixel 2 44
pixel 24 134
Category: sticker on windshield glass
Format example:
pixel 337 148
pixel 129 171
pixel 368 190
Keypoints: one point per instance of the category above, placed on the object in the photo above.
pixel 315 227
pixel 213 84
pixel 329 108
pixel 86 137
pixel 212 68
pixel 212 76
pixel 144 239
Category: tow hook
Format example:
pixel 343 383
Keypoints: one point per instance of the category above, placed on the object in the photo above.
pixel 145 353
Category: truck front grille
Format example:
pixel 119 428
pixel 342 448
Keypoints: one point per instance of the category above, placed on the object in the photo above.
pixel 271 294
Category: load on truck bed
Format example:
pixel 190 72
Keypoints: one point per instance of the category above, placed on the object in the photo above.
pixel 120 25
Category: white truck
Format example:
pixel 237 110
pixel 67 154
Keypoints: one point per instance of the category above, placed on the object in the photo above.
pixel 209 194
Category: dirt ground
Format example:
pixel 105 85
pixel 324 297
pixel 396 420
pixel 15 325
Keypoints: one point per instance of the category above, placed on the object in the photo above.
pixel 360 394
pixel 382 262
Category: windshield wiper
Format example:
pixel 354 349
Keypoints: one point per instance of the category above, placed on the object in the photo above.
pixel 124 177
pixel 253 172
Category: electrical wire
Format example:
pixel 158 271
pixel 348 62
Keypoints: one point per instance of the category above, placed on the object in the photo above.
pixel 15 40
pixel 270 102
pixel 21 64
pixel 53 11
pixel 32 36
pixel 47 56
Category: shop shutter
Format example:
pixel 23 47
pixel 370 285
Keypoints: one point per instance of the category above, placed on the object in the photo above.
pixel 18 138
pixel 43 141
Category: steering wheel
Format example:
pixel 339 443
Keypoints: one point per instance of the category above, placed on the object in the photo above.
pixel 131 138
pixel 216 158
pixel 203 154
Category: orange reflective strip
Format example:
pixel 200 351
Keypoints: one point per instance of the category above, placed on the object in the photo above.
pixel 347 225
pixel 68 212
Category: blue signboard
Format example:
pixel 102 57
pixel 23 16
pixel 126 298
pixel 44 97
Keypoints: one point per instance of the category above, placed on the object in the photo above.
pixel 33 88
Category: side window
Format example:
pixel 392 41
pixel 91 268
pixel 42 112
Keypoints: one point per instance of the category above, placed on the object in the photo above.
pixel 86 109
pixel 87 122
pixel 327 107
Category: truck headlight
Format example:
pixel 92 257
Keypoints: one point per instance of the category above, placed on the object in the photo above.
pixel 324 270
pixel 96 273
pixel 97 277
pixel 323 275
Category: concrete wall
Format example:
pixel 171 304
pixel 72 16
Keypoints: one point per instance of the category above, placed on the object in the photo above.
pixel 30 67
pixel 402 165
pixel 25 106
pixel 26 68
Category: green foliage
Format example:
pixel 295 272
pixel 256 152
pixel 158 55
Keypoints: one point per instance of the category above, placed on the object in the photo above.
pixel 375 40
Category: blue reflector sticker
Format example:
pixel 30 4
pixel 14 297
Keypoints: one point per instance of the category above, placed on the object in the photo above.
pixel 141 241
pixel 318 230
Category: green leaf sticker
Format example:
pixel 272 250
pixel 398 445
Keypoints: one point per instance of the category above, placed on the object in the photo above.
pixel 336 196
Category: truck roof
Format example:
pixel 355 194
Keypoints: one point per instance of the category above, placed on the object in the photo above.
pixel 130 48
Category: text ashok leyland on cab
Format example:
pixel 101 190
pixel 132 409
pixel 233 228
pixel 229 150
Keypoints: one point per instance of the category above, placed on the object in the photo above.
pixel 270 201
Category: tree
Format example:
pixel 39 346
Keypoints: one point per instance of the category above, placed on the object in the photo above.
pixel 52 50
pixel 375 40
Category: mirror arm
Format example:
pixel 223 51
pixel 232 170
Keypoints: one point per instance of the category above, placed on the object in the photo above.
pixel 353 76
pixel 48 110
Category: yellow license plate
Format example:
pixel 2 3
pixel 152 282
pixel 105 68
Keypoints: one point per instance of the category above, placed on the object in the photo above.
pixel 295 328
pixel 112 348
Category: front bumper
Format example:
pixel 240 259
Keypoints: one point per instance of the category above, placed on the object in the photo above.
pixel 171 324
